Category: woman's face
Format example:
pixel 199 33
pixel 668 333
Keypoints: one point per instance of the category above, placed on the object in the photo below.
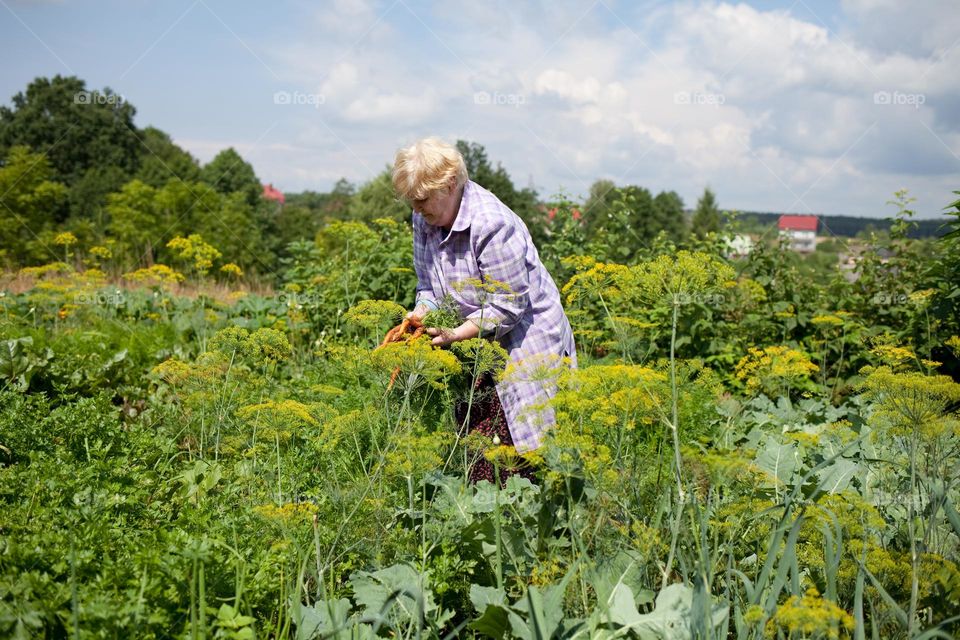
pixel 440 208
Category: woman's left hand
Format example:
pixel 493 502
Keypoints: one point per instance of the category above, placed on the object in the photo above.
pixel 446 337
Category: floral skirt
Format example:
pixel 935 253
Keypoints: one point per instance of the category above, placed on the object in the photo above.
pixel 487 426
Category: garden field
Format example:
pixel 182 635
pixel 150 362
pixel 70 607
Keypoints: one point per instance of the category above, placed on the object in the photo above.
pixel 749 449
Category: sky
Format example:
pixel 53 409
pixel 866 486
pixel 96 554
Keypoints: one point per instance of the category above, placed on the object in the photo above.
pixel 802 107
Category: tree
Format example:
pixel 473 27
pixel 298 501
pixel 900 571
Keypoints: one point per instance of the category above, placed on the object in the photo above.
pixel 76 128
pixel 28 199
pixel 229 173
pixel 597 208
pixel 668 206
pixel 163 160
pixel 88 136
pixel 523 202
pixel 706 218
pixel 229 221
pixel 135 222
pixel 338 200
pixel 376 199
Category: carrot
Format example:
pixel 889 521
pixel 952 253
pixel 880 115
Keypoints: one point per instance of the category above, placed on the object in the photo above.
pixel 397 334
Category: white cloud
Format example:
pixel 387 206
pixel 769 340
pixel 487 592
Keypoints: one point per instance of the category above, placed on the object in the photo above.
pixel 763 105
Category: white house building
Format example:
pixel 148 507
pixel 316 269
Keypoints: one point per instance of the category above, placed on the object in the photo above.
pixel 801 231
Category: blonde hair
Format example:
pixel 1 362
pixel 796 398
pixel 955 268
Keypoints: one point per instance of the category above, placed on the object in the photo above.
pixel 425 167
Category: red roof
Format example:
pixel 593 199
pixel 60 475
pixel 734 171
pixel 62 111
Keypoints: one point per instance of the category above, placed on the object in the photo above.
pixel 269 193
pixel 552 213
pixel 798 223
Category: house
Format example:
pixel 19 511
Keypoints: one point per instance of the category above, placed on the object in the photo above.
pixel 269 193
pixel 800 231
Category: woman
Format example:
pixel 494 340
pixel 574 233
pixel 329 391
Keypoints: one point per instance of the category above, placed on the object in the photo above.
pixel 463 234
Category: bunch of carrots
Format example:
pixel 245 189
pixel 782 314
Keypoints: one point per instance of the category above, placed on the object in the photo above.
pixel 397 334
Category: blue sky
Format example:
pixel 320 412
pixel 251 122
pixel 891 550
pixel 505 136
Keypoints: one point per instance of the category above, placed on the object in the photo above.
pixel 804 106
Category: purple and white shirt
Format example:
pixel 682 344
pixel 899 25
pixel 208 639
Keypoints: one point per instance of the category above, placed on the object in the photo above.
pixel 488 242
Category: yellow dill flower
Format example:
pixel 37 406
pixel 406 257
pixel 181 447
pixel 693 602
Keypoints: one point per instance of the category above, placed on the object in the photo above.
pixel 65 239
pixel 484 285
pixel 194 249
pixel 101 252
pixel 894 355
pixel 812 616
pixel 540 368
pixel 751 292
pixel 374 314
pixel 634 323
pixel 827 320
pixel 43 270
pixel 908 400
pixel 232 269
pixel 263 346
pixel 415 454
pixel 288 514
pixel 418 358
pixel 341 427
pixel 772 369
pixel 753 614
pixel 285 411
pixel 479 356
pixel 327 389
pixel 954 343
pixel 578 263
pixel 282 421
pixel 158 274
pixel 93 275
pixel 173 372
pixel 921 297
pixel 503 455
pixel 608 279
pixel 547 571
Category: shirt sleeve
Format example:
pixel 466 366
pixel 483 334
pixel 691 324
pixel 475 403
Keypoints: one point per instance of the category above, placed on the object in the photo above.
pixel 505 294
pixel 421 266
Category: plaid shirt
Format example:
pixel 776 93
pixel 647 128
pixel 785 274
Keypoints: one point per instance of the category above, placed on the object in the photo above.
pixel 489 242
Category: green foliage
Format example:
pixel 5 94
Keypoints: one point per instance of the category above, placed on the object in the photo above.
pixel 229 173
pixel 29 200
pixel 523 202
pixel 629 223
pixel 79 130
pixel 706 217
pixel 764 448
pixel 376 199
pixel 163 160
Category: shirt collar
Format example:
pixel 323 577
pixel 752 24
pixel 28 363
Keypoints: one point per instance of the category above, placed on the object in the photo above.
pixel 465 214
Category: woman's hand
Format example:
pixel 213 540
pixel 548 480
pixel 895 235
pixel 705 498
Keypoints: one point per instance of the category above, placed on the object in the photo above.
pixel 446 337
pixel 419 312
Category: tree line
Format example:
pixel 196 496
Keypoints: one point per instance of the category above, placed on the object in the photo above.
pixel 73 160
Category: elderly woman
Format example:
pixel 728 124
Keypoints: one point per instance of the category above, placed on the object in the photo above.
pixel 462 235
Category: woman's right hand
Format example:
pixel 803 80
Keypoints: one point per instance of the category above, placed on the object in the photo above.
pixel 418 313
